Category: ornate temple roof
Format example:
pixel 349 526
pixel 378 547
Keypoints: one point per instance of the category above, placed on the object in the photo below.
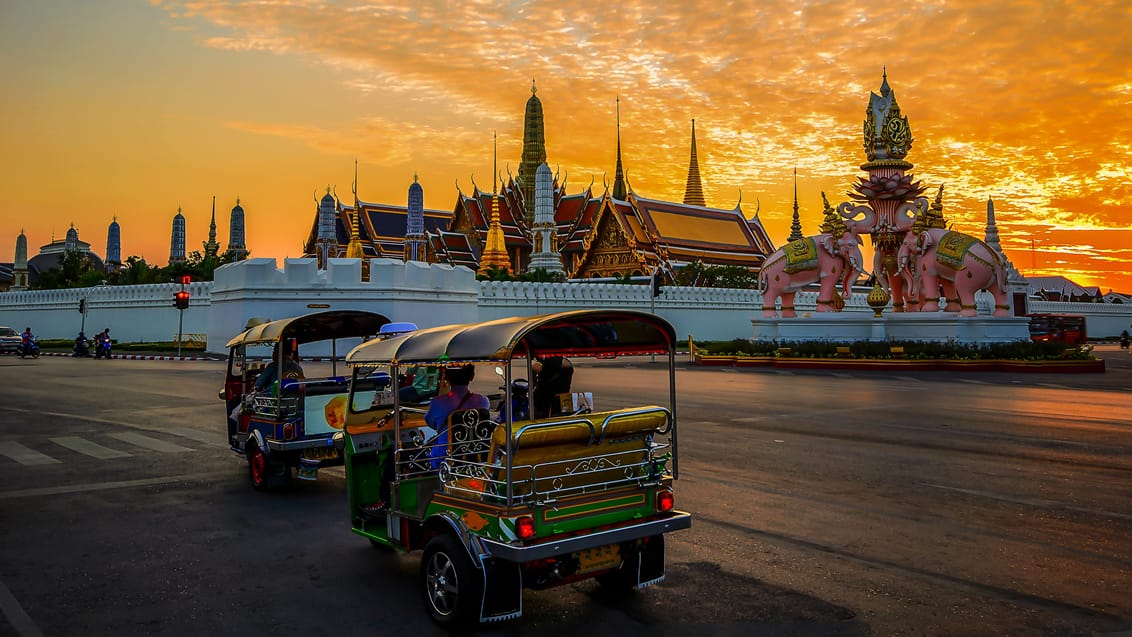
pixel 689 233
pixel 452 248
pixel 382 228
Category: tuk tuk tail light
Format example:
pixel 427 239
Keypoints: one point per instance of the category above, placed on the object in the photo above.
pixel 665 501
pixel 288 431
pixel 525 527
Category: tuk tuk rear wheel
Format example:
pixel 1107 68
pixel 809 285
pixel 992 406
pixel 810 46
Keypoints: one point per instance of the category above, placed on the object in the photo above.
pixel 266 472
pixel 257 467
pixel 452 585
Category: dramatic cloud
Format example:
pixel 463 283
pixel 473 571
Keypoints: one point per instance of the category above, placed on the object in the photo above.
pixel 1023 101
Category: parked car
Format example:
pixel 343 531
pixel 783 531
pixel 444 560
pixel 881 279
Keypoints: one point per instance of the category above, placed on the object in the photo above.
pixel 10 341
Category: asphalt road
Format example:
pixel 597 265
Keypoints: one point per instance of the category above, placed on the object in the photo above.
pixel 824 503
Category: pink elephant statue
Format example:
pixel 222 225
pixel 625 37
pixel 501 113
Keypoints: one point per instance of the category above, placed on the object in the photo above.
pixel 959 264
pixel 823 258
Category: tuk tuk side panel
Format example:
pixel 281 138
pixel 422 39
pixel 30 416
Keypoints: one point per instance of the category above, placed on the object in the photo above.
pixel 364 472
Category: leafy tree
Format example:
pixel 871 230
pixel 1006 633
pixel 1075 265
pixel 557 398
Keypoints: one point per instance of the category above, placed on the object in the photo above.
pixel 494 273
pixel 70 272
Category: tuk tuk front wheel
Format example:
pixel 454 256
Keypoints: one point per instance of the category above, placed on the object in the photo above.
pixel 452 585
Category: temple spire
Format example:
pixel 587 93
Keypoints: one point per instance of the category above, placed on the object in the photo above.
pixel 694 190
pixel 354 248
pixel 211 247
pixel 619 190
pixel 495 247
pixel 796 223
pixel 534 153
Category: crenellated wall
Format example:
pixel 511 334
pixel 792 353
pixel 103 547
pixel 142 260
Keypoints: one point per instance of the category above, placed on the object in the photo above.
pixel 428 295
pixel 425 294
pixel 706 313
pixel 132 312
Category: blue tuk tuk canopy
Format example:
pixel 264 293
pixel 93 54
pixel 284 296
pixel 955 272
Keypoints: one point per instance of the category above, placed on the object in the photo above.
pixel 580 333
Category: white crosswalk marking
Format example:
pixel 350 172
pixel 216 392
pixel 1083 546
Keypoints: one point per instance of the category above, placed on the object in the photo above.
pixel 24 455
pixel 207 437
pixel 88 448
pixel 153 444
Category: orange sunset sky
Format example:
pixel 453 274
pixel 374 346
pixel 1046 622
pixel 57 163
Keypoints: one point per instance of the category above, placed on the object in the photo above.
pixel 131 109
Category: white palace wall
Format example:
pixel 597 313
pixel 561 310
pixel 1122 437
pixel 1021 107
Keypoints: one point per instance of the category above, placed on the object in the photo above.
pixel 705 313
pixel 428 295
pixel 425 294
pixel 132 312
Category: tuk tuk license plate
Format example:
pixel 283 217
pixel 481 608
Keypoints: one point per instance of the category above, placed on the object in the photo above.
pixel 599 559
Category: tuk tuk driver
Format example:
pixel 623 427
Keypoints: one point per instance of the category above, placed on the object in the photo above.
pixel 291 367
pixel 441 407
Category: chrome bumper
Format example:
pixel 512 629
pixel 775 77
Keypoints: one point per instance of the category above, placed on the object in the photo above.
pixel 277 445
pixel 513 553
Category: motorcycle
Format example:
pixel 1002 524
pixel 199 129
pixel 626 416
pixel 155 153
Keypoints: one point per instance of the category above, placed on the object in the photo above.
pixel 30 349
pixel 82 347
pixel 520 400
pixel 102 349
pixel 1124 340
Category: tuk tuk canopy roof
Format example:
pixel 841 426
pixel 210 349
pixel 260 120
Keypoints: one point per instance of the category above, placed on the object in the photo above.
pixel 309 328
pixel 579 333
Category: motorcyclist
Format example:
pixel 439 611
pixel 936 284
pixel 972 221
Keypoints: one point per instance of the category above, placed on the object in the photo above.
pixel 1124 339
pixel 82 345
pixel 27 340
pixel 102 344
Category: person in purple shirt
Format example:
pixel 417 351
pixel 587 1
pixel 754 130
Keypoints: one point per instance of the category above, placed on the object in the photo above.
pixel 460 397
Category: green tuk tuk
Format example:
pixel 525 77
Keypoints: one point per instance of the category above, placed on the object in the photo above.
pixel 503 506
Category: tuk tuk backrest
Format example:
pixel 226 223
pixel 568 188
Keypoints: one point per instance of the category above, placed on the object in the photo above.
pixel 469 433
pixel 577 453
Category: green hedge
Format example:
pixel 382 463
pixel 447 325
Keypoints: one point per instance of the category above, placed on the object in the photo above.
pixel 1016 350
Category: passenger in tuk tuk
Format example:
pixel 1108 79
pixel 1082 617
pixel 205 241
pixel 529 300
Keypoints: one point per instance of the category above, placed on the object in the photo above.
pixel 553 375
pixel 291 367
pixel 441 407
pixel 423 385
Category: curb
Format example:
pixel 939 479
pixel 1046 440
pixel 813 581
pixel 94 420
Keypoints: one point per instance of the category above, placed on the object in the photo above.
pixel 138 357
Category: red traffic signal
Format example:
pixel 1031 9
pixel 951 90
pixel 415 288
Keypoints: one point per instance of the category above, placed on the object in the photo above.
pixel 181 299
pixel 186 279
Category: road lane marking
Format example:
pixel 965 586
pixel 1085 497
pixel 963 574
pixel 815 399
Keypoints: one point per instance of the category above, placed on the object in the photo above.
pixel 88 448
pixel 145 442
pixel 24 455
pixel 1054 386
pixel 103 486
pixel 1031 502
pixel 206 437
pixel 215 440
pixel 909 379
pixel 972 381
pixel 810 413
pixel 17 616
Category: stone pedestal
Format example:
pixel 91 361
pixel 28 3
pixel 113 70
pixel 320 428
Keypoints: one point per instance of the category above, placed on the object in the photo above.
pixel 939 327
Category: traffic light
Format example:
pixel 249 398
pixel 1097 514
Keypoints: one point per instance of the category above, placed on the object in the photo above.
pixel 82 306
pixel 181 299
pixel 656 287
pixel 186 279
